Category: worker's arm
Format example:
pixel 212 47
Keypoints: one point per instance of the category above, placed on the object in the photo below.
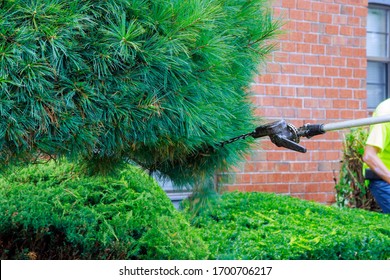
pixel 371 158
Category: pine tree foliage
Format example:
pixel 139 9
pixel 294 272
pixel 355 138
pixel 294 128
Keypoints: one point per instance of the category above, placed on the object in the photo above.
pixel 156 82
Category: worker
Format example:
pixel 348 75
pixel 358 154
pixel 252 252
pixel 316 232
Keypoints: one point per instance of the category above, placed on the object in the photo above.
pixel 377 157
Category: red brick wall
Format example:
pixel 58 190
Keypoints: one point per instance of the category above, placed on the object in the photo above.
pixel 316 75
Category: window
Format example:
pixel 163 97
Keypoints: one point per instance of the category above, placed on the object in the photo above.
pixel 378 54
pixel 176 195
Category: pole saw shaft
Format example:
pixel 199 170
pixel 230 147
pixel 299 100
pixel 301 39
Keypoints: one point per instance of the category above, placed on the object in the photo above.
pixel 356 123
pixel 310 130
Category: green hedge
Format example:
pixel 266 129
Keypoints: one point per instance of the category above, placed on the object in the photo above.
pixel 53 212
pixel 274 227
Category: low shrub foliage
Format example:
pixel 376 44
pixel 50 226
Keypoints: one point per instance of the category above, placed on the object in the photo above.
pixel 274 227
pixel 52 211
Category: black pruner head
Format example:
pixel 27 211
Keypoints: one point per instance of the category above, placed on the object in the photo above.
pixel 281 134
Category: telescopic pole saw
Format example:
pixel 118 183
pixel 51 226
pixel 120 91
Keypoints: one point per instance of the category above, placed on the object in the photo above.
pixel 286 135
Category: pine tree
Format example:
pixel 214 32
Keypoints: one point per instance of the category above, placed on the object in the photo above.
pixel 155 82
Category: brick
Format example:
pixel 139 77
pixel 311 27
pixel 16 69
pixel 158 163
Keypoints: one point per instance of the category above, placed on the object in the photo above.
pixel 258 88
pixel 288 4
pixel 339 61
pixel 303 26
pixel 282 188
pixel 282 167
pixel 296 58
pixel 297 188
pixel 250 166
pixel 346 93
pixel 360 52
pixel 318 6
pixel 280 79
pixel 339 82
pixel 346 51
pixel 332 71
pixel 317 28
pixel 359 31
pixel 296 80
pixel 280 57
pixel 324 82
pixel 353 83
pixel 311 16
pixel 310 38
pixel 304 113
pixel 340 40
pixel 311 103
pixel 296 36
pixel 325 60
pixel 317 49
pixel 361 11
pixel 340 19
pixel 275 156
pixel 303 48
pixel 303 91
pixel 345 114
pixel 324 166
pixel 332 155
pixel 265 79
pixel 347 10
pixel 274 177
pixel 304 177
pixel 333 8
pixel 304 5
pixel 346 72
pixel 332 50
pixel 332 114
pixel 325 39
pixel 339 103
pixel 243 178
pixel 319 114
pixel 319 197
pixel 311 59
pixel 356 43
pixel 303 69
pixel 346 30
pixel 296 14
pixel 288 47
pixel 325 18
pixel 359 94
pixel 311 81
pixel 332 93
pixel 258 178
pixel 288 91
pixel 288 68
pixel 279 12
pixel 318 92
pixel 290 25
pixel 273 68
pixel 354 21
pixel 310 188
pixel 328 187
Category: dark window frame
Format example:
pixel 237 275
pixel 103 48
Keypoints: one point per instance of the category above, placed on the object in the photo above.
pixel 386 60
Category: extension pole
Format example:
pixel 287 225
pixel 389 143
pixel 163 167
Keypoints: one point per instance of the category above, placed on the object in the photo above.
pixel 356 123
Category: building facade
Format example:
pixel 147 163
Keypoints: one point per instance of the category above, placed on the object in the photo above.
pixel 330 65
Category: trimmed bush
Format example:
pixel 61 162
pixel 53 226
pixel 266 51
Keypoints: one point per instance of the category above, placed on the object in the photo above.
pixel 274 227
pixel 160 82
pixel 52 211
